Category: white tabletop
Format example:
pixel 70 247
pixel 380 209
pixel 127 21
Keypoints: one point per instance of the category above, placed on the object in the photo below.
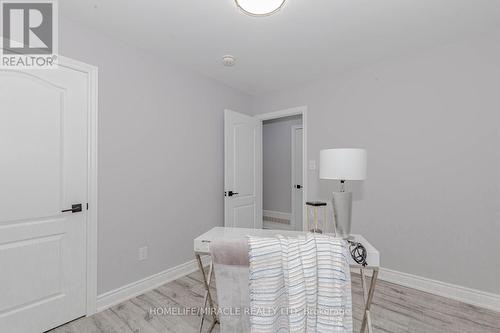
pixel 202 243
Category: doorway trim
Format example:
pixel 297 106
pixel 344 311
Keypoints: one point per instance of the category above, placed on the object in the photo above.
pixel 299 110
pixel 91 230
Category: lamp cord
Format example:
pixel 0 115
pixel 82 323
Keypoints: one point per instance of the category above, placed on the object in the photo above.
pixel 358 253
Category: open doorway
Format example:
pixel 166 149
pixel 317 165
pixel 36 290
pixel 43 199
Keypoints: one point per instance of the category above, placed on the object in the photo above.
pixel 282 153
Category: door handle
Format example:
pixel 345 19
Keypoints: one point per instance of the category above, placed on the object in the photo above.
pixel 298 186
pixel 74 209
pixel 231 193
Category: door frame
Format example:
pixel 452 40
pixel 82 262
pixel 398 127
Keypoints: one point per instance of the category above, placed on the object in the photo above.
pixel 91 223
pixel 293 129
pixel 299 110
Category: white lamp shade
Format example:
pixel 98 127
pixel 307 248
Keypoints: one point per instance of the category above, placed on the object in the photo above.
pixel 342 164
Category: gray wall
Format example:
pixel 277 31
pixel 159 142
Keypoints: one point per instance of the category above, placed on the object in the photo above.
pixel 277 168
pixel 431 125
pixel 160 155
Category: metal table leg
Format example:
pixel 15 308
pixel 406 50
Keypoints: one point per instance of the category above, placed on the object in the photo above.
pixel 368 298
pixel 208 296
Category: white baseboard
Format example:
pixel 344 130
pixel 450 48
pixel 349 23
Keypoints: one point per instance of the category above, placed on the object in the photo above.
pixel 459 293
pixel 463 294
pixel 277 220
pixel 278 215
pixel 140 287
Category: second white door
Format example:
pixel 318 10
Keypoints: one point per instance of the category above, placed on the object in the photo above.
pixel 297 178
pixel 243 170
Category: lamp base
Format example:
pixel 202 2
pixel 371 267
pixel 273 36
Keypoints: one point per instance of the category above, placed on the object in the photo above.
pixel 342 210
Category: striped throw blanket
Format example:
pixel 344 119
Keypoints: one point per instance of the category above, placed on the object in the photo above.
pixel 299 284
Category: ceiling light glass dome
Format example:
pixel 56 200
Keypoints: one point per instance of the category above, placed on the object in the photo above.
pixel 260 7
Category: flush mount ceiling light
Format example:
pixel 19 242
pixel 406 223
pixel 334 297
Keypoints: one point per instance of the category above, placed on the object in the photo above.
pixel 260 7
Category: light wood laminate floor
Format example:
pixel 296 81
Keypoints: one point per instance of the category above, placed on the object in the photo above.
pixel 396 309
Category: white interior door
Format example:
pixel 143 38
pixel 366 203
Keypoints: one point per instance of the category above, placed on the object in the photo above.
pixel 242 170
pixel 43 170
pixel 297 176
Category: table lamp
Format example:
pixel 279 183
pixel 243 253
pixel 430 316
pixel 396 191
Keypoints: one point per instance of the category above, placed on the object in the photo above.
pixel 342 164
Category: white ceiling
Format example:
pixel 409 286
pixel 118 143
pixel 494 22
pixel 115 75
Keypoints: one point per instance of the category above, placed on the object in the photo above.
pixel 306 40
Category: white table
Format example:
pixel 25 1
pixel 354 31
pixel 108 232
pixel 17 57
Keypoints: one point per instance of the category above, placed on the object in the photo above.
pixel 202 247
